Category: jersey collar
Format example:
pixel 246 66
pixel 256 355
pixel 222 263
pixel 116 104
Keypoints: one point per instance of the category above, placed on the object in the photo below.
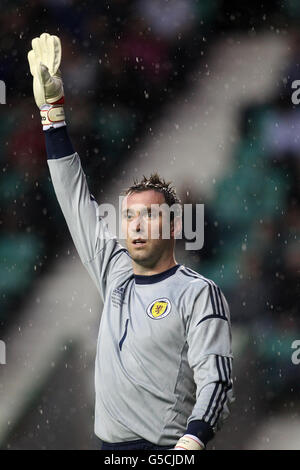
pixel 153 278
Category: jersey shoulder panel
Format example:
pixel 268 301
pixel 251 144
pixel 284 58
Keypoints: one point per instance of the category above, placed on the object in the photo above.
pixel 203 294
pixel 192 280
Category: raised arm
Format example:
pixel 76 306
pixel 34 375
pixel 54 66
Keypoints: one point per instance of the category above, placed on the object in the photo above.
pixel 98 249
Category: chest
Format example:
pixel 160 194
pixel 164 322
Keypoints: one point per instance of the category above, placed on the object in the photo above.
pixel 146 317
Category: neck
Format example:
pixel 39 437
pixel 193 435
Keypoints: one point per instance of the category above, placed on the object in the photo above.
pixel 159 267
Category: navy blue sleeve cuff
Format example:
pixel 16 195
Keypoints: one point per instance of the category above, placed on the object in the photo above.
pixel 58 143
pixel 200 429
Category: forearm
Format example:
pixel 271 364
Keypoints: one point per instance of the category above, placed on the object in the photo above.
pixel 210 358
pixel 213 397
pixel 58 143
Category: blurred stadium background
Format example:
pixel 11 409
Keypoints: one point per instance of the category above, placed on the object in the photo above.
pixel 199 90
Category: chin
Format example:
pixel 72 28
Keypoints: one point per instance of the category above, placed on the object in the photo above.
pixel 141 258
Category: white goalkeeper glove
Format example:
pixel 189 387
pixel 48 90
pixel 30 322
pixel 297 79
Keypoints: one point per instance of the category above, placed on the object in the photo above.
pixel 44 61
pixel 189 442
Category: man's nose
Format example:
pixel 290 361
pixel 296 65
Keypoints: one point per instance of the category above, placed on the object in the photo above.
pixel 137 224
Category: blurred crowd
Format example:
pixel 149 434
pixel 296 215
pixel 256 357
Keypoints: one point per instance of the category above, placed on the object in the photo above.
pixel 252 234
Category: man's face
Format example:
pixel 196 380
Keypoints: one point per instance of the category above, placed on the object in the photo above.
pixel 140 220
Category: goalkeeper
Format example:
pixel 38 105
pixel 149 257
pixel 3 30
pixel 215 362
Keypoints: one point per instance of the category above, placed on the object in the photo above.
pixel 163 363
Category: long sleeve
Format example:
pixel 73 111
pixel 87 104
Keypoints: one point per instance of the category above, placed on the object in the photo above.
pixel 210 357
pixel 98 249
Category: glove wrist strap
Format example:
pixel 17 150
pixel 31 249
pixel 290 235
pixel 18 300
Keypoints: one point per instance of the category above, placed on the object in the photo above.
pixel 52 114
pixel 189 442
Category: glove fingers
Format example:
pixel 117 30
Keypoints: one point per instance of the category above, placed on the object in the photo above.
pixel 56 54
pixel 44 38
pixel 47 51
pixel 51 52
pixel 36 46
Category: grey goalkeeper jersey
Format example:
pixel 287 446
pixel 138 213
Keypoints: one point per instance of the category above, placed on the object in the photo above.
pixel 164 348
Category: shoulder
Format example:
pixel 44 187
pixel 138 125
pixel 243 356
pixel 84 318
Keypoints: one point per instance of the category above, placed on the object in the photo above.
pixel 194 281
pixel 203 292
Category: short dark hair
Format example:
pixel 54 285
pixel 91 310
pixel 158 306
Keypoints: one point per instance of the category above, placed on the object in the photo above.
pixel 157 183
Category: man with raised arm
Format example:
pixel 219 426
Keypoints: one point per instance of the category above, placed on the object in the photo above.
pixel 164 362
